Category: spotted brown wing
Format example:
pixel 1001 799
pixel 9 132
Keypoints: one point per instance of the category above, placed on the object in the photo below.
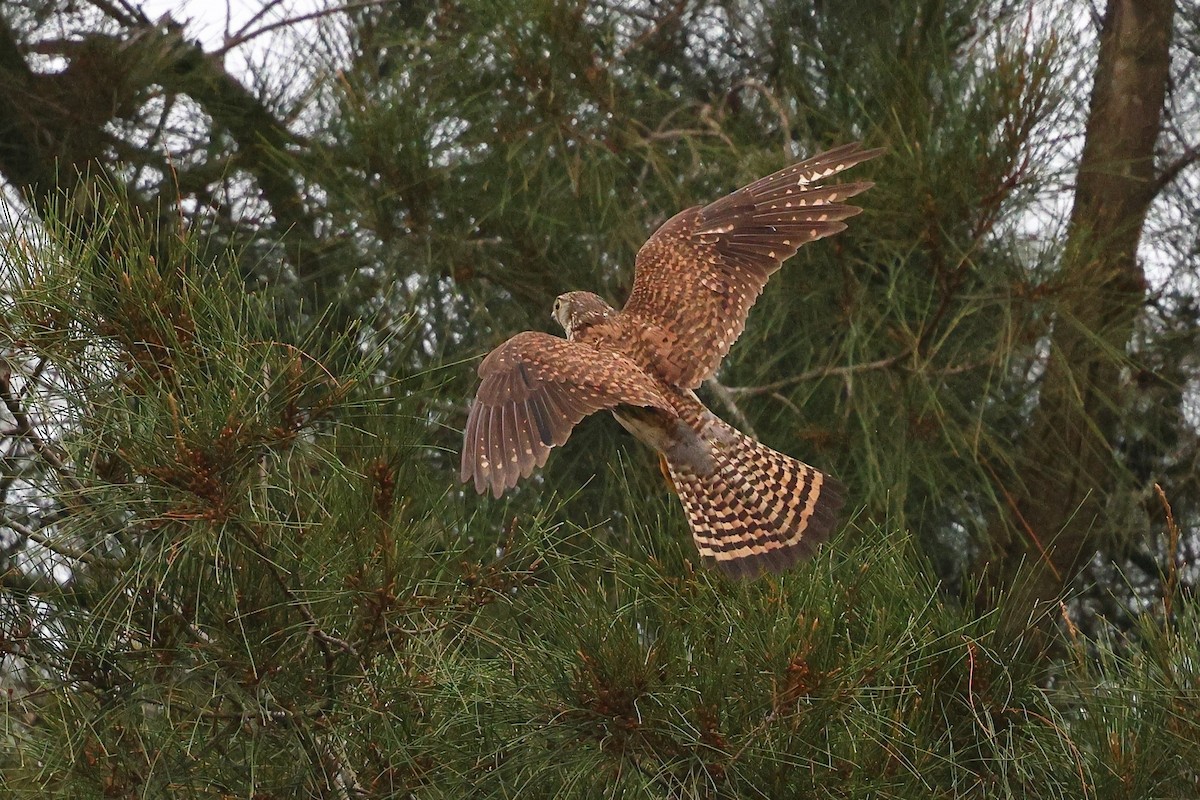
pixel 698 275
pixel 534 389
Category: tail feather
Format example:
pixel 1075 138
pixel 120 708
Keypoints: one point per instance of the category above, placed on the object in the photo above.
pixel 757 510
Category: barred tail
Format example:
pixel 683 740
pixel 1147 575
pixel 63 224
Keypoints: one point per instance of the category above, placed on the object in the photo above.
pixel 757 510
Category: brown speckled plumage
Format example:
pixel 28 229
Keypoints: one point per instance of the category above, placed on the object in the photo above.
pixel 750 508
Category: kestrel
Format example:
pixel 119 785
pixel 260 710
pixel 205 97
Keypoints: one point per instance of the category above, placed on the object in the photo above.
pixel 750 508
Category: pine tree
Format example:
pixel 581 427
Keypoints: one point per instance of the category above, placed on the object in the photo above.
pixel 237 351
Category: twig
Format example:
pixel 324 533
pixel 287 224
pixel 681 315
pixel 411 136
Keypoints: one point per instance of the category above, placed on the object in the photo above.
pixel 14 580
pixel 324 640
pixel 959 369
pixel 816 374
pixel 45 541
pixel 176 611
pixel 723 393
pixel 345 779
pixel 24 428
pixel 120 16
pixel 677 133
pixel 1189 156
pixel 243 35
pixel 652 31
pixel 785 120
pixel 34 376
pixel 9 478
pixel 263 9
pixel 1016 510
pixel 787 401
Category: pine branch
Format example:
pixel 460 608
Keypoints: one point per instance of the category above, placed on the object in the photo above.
pixel 657 24
pixel 24 428
pixel 325 641
pixel 246 34
pixel 818 374
pixel 47 542
pixel 1167 176
pixel 726 396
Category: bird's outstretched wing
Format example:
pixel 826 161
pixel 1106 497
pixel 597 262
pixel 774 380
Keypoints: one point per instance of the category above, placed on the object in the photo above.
pixel 534 389
pixel 698 275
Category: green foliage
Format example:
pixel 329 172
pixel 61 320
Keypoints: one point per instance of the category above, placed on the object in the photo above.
pixel 271 594
pixel 516 151
pixel 828 679
pixel 234 558
pixel 1137 710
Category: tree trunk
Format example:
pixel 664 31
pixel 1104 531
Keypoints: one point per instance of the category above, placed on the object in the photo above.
pixel 1067 460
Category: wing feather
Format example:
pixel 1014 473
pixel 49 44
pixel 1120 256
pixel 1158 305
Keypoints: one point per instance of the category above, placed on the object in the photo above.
pixel 509 451
pixel 533 390
pixel 545 433
pixel 494 431
pixel 698 275
pixel 525 459
pixel 559 414
pixel 470 442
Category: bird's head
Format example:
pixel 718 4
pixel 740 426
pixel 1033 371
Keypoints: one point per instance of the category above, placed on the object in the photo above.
pixel 576 311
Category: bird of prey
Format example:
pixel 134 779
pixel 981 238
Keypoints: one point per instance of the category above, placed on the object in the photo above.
pixel 750 508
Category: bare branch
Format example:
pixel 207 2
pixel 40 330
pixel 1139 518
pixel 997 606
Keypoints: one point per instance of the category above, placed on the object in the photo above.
pixel 128 17
pixel 725 395
pixel 1165 178
pixel 785 120
pixel 817 374
pixel 242 36
pixel 14 580
pixel 51 544
pixel 24 428
pixel 673 14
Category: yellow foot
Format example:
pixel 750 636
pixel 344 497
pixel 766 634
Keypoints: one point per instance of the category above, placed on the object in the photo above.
pixel 666 472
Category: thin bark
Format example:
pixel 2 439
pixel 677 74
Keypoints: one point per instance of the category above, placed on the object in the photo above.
pixel 1067 459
